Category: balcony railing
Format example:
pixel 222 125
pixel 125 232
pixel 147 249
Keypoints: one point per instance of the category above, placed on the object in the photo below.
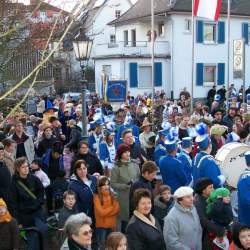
pixel 130 48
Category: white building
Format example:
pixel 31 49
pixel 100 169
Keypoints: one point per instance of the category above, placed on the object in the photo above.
pixel 128 57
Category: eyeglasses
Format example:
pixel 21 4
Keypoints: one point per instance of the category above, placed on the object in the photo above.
pixel 86 233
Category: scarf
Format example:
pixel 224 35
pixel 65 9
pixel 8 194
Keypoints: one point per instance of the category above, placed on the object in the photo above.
pixel 6 217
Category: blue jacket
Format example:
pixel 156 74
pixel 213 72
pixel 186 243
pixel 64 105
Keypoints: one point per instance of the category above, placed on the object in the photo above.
pixel 206 168
pixel 160 150
pixel 186 162
pixel 172 172
pixel 46 161
pixel 84 194
pixel 104 154
pixel 93 144
pixel 244 198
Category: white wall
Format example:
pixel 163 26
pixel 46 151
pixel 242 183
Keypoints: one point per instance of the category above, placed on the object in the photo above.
pixel 203 54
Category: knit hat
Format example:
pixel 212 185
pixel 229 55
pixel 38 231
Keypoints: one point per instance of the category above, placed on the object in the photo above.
pixel 202 184
pixel 217 193
pixel 183 191
pixel 6 217
pixel 122 148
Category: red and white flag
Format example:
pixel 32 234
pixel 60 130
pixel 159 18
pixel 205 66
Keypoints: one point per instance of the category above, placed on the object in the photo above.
pixel 209 9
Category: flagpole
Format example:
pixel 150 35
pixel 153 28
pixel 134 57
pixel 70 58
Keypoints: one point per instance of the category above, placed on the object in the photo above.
pixel 153 48
pixel 228 47
pixel 192 73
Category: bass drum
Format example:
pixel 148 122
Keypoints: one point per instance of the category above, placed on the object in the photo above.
pixel 231 160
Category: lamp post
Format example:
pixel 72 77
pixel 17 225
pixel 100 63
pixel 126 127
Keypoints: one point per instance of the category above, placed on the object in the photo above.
pixel 82 47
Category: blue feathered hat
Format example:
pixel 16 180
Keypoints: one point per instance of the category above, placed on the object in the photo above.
pixel 232 137
pixel 170 142
pixel 49 106
pixel 108 132
pixel 202 139
pixel 186 142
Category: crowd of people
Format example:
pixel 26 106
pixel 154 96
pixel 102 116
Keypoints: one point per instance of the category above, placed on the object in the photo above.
pixel 145 177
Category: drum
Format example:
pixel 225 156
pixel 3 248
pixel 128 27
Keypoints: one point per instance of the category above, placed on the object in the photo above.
pixel 231 160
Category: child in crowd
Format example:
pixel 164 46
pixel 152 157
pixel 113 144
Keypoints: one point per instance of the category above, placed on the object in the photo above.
pixel 219 211
pixel 69 208
pixel 163 203
pixel 36 168
pixel 9 236
pixel 67 159
pixel 106 209
pixel 58 187
pixel 116 241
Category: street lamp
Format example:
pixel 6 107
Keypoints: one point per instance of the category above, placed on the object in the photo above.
pixel 82 47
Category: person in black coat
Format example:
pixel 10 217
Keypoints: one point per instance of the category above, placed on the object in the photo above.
pixel 26 200
pixel 5 177
pixel 149 171
pixel 75 136
pixel 93 163
pixel 143 231
pixel 203 188
pixel 222 92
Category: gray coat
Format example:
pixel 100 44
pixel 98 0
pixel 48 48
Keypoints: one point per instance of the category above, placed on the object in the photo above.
pixel 122 174
pixel 182 229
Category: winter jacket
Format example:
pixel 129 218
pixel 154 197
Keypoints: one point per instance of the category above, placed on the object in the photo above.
pixel 207 225
pixel 74 138
pixel 64 214
pixel 229 122
pixel 106 213
pixel 74 245
pixel 182 229
pixel 122 175
pixel 5 181
pixel 29 148
pixel 23 206
pixel 9 161
pixel 44 145
pixel 93 163
pixel 84 194
pixel 9 235
pixel 144 233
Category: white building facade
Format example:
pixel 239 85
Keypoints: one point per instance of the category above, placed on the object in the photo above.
pixel 129 57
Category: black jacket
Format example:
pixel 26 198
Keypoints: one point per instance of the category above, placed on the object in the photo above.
pixel 5 181
pixel 74 138
pixel 93 163
pixel 22 206
pixel 207 225
pixel 44 145
pixel 140 183
pixel 75 246
pixel 144 236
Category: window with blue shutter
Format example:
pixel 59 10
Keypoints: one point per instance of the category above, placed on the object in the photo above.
pixel 221 74
pixel 158 74
pixel 221 32
pixel 245 28
pixel 133 75
pixel 199 31
pixel 199 74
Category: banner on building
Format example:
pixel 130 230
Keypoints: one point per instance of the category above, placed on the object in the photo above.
pixel 238 58
pixel 116 91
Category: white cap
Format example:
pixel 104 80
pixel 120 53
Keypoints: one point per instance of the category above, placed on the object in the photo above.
pixel 183 191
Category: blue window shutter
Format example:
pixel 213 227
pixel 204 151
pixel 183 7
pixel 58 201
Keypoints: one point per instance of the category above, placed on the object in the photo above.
pixel 158 74
pixel 221 74
pixel 133 75
pixel 245 32
pixel 199 31
pixel 199 74
pixel 221 32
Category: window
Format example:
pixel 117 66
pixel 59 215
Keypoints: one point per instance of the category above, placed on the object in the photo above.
pixel 209 74
pixel 125 36
pixel 209 32
pixel 248 33
pixel 112 38
pixel 133 38
pixel 161 29
pixel 117 13
pixel 145 76
pixel 188 25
